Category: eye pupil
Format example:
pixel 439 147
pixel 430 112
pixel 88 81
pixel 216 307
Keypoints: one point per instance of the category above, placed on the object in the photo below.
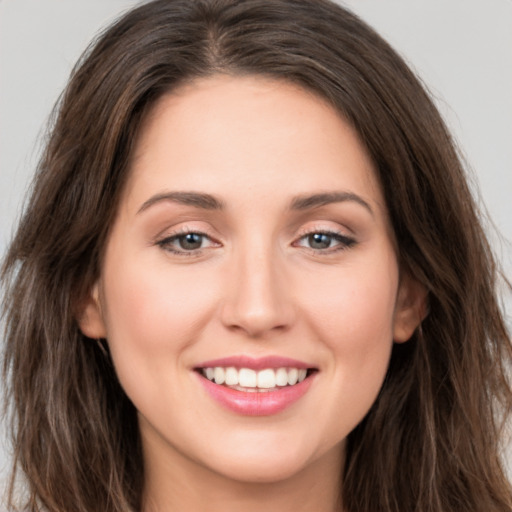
pixel 319 241
pixel 191 241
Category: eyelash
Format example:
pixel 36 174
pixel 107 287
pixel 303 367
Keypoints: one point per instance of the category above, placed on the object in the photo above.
pixel 344 242
pixel 166 243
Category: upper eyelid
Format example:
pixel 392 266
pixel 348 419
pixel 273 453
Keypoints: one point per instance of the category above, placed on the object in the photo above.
pixel 334 234
pixel 176 235
pixel 322 228
pixel 182 231
pixel 315 227
pixel 171 232
pixel 166 243
pixel 345 236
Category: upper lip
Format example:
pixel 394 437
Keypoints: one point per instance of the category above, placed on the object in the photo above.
pixel 259 363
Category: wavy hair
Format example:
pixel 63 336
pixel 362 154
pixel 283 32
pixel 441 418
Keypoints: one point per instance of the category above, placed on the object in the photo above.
pixel 431 441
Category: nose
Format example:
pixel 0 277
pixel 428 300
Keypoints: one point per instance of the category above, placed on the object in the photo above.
pixel 257 298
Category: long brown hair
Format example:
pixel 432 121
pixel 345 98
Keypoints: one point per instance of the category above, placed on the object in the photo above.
pixel 431 440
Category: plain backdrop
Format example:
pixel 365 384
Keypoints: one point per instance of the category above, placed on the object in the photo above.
pixel 462 49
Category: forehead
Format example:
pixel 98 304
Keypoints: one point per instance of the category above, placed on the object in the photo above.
pixel 249 134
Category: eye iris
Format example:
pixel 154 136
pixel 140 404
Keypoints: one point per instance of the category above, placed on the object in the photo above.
pixel 319 241
pixel 190 241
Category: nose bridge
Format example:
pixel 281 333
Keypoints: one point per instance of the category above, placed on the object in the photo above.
pixel 256 301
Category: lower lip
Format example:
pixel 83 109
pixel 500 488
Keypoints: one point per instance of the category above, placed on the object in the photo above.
pixel 257 403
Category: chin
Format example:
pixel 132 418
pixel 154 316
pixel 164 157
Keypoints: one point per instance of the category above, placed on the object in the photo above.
pixel 270 464
pixel 262 471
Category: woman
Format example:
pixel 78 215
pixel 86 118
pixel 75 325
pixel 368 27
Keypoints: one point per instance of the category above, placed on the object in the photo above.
pixel 251 275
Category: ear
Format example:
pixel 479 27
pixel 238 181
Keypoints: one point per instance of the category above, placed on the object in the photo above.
pixel 411 308
pixel 90 316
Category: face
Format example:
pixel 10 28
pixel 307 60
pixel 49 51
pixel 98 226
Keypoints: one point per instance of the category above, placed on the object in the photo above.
pixel 250 292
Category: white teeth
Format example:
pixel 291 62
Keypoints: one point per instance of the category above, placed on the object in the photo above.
pixel 247 378
pixel 281 377
pixel 253 380
pixel 266 379
pixel 293 375
pixel 219 375
pixel 231 376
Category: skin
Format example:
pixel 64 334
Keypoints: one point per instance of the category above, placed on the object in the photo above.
pixel 256 286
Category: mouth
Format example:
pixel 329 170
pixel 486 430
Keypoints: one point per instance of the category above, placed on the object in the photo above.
pixel 256 387
pixel 250 380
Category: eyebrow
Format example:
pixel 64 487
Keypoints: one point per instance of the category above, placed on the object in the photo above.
pixel 196 199
pixel 307 202
pixel 209 202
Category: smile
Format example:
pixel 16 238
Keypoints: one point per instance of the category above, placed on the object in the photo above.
pixel 249 380
pixel 256 387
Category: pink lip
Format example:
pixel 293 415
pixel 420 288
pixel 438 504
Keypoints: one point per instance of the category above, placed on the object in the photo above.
pixel 255 364
pixel 256 403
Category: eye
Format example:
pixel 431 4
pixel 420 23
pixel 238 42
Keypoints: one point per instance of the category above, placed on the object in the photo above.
pixel 190 241
pixel 187 243
pixel 325 241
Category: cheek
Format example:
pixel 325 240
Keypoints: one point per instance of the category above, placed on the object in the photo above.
pixel 357 329
pixel 353 317
pixel 152 314
pixel 354 308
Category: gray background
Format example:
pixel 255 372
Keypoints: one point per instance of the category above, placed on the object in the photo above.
pixel 461 48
